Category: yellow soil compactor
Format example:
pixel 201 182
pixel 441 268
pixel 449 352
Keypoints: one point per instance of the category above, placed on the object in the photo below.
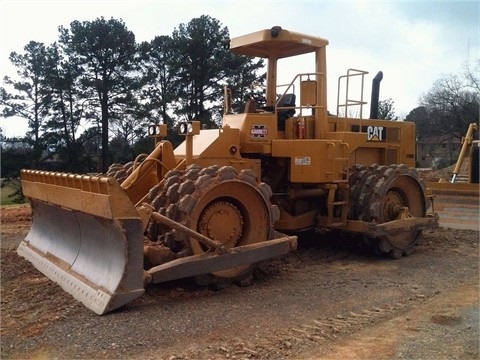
pixel 225 199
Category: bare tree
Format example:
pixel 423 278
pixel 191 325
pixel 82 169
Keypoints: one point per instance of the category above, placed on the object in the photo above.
pixel 386 111
pixel 451 105
pixel 472 77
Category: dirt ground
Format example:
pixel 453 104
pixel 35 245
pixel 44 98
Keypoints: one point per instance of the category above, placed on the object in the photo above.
pixel 327 300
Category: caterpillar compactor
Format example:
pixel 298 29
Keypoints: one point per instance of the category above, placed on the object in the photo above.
pixel 228 198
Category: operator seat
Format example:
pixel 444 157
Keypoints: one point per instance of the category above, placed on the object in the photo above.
pixel 288 100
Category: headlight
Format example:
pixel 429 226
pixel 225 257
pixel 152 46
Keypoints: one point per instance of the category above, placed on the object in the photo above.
pixel 157 130
pixel 189 128
pixel 151 130
pixel 182 128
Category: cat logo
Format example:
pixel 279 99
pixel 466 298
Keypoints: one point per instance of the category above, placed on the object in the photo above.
pixel 375 133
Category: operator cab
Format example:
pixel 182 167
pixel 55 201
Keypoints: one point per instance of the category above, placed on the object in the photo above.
pixel 282 102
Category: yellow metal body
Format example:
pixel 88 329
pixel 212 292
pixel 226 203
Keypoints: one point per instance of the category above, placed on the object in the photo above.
pixel 333 143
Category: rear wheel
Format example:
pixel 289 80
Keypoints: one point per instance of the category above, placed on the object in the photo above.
pixel 120 171
pixel 390 193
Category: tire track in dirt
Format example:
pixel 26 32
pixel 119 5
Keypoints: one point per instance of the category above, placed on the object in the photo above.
pixel 444 326
pixel 315 333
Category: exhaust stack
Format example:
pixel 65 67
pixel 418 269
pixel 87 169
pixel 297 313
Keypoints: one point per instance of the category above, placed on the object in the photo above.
pixel 375 95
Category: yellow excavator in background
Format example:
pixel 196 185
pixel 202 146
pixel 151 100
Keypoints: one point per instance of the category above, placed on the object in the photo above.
pixel 466 170
pixel 458 200
pixel 468 156
pixel 227 198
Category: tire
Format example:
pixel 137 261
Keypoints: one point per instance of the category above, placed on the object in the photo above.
pixel 221 203
pixel 120 172
pixel 385 191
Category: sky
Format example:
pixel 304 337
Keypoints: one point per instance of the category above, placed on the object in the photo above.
pixel 414 43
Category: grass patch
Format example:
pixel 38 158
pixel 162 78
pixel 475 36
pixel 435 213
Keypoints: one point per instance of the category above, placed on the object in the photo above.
pixel 9 192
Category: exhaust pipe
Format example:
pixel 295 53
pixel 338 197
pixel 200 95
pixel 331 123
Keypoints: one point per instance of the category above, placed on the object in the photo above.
pixel 375 95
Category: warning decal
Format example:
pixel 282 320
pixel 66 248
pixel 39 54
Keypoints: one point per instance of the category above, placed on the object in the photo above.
pixel 302 160
pixel 259 131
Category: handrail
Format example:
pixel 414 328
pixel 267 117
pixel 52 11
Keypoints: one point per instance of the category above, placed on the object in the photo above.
pixel 351 102
pixel 292 85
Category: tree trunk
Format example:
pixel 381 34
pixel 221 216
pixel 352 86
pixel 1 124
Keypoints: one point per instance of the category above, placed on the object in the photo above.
pixel 105 152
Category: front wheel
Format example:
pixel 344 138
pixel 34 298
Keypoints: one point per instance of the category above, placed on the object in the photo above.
pixel 224 204
pixel 229 206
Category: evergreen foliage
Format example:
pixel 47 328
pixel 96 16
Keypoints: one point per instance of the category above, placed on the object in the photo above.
pixel 90 95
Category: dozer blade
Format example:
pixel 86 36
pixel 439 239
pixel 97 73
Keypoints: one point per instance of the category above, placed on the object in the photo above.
pixel 453 189
pixel 458 204
pixel 86 235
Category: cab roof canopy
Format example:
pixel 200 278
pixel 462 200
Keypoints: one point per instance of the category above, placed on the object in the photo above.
pixel 276 42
